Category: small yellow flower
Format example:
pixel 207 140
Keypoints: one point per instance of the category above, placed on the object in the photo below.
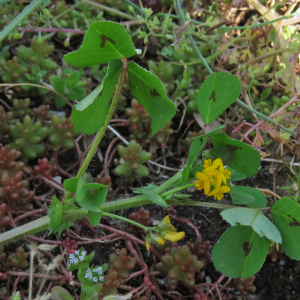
pixel 207 180
pixel 209 166
pixel 218 192
pixel 223 174
pixel 173 236
pixel 153 238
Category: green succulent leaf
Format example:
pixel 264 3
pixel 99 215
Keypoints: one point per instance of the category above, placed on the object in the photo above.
pixel 254 218
pixel 94 108
pixel 104 41
pixel 217 93
pixel 55 212
pixel 286 215
pixel 240 252
pixel 150 92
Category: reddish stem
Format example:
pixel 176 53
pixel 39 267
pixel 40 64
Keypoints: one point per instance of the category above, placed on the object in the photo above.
pixel 187 222
pixel 107 155
pixel 30 213
pixel 75 31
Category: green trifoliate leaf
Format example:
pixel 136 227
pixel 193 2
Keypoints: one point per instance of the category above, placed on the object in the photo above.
pixel 254 218
pixel 150 92
pixel 103 42
pixel 286 215
pixel 217 93
pixel 240 252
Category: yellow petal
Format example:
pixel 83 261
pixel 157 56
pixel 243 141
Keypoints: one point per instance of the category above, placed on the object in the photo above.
pixel 199 185
pixel 201 176
pixel 206 187
pixel 221 168
pixel 208 169
pixel 224 189
pixel 167 219
pixel 213 192
pixel 217 162
pixel 174 236
pixel 147 245
pixel 227 173
pixel 219 196
pixel 160 240
pixel 207 163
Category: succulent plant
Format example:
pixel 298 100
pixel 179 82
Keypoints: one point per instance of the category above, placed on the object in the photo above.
pixel 179 264
pixel 12 71
pixel 15 192
pixel 3 255
pixel 5 117
pixel 42 114
pixel 132 158
pixel 21 108
pixel 245 285
pixel 46 168
pixel 274 250
pixel 70 244
pixel 17 260
pixel 118 272
pixel 137 113
pixel 4 220
pixel 27 138
pixel 106 180
pixel 69 84
pixel 161 135
pixel 142 217
pixel 8 163
pixel 61 133
pixel 202 296
pixel 201 249
pixel 38 53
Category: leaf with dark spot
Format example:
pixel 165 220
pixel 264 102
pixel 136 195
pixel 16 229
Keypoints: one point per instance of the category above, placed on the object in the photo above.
pixel 213 96
pixel 285 214
pixel 104 39
pixel 247 248
pixel 295 223
pixel 154 93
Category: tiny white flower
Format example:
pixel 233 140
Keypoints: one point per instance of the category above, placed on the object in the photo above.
pixel 83 253
pixel 98 270
pixel 75 260
pixel 81 257
pixel 77 252
pixel 101 278
pixel 71 256
pixel 95 279
pixel 88 274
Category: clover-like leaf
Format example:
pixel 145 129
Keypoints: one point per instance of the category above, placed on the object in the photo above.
pixel 103 42
pixel 254 218
pixel 240 252
pixel 217 93
pixel 90 113
pixel 150 92
pixel 286 215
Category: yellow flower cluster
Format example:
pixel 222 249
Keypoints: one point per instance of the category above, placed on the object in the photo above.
pixel 166 232
pixel 212 178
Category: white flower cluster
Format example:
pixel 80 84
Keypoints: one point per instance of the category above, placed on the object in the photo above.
pixel 89 274
pixel 77 257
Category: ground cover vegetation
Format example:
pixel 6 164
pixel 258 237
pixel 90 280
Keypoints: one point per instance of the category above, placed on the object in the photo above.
pixel 135 136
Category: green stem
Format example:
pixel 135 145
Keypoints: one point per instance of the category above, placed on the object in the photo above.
pixel 211 71
pixel 114 11
pixel 177 189
pixel 135 7
pixel 21 17
pixel 128 221
pixel 101 131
